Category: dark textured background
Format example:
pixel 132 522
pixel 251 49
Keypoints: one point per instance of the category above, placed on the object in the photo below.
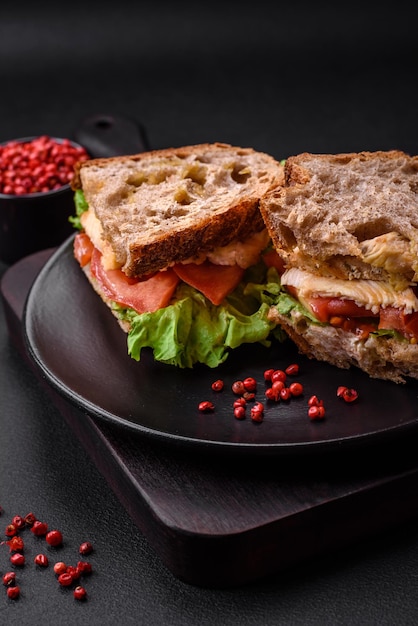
pixel 283 78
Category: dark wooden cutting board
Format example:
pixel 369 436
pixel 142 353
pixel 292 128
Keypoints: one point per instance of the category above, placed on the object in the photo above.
pixel 219 522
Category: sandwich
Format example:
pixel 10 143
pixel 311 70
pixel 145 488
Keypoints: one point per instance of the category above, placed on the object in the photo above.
pixel 174 243
pixel 345 228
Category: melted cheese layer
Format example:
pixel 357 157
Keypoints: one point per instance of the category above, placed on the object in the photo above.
pixel 94 230
pixel 371 294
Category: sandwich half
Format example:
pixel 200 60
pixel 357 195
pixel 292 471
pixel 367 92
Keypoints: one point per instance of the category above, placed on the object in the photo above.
pixel 345 227
pixel 173 242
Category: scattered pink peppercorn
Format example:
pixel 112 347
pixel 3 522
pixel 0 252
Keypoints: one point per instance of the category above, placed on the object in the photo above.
pixel 74 572
pixel 250 384
pixel 206 406
pixel 270 394
pixel 11 530
pixel 278 375
pixel 239 412
pixel 296 389
pixel 60 567
pixel 348 395
pixel 217 385
pixel 315 401
pixel 240 402
pixel 54 538
pixel 30 519
pixel 80 593
pixel 285 394
pixel 268 374
pixel 257 412
pixel 238 387
pixel 292 369
pixel 316 412
pixel 85 548
pixel 41 560
pixel 84 567
pixel 9 579
pixel 16 544
pixel 13 592
pixel 65 579
pixel 19 522
pixel 39 528
pixel 17 559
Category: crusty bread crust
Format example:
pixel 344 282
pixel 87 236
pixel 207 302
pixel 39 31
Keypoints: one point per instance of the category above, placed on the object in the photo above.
pixel 330 204
pixel 380 357
pixel 166 206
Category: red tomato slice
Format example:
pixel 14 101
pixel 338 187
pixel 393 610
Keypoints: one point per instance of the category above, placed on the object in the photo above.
pixel 391 319
pixel 83 248
pixel 348 308
pixel 325 308
pixel 214 281
pixel 272 259
pixel 145 296
pixel 319 307
pixel 395 319
pixel 411 324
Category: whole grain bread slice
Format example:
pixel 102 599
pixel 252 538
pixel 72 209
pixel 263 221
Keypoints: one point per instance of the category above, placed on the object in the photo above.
pixel 166 206
pixel 333 207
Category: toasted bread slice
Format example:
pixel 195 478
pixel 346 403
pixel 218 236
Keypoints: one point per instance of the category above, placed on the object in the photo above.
pixel 153 209
pixel 351 215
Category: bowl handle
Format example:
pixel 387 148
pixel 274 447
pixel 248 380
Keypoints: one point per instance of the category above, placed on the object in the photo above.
pixel 104 135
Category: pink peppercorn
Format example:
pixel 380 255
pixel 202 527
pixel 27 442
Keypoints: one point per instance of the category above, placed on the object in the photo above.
pixel 217 385
pixel 80 593
pixel 239 412
pixel 9 579
pixel 17 559
pixel 37 165
pixel 13 592
pixel 85 548
pixel 84 567
pixel 60 567
pixel 250 384
pixel 19 522
pixel 41 560
pixel 65 579
pixel 54 538
pixel 39 528
pixel 206 406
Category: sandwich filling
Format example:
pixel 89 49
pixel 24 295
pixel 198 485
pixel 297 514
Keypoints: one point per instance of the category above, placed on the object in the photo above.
pixel 358 306
pixel 215 274
pixel 189 312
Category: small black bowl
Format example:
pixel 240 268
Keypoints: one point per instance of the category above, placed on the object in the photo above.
pixel 34 221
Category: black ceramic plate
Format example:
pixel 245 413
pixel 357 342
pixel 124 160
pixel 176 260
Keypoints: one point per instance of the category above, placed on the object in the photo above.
pixel 80 349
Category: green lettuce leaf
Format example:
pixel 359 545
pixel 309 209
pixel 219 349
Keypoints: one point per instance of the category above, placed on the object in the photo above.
pixel 80 207
pixel 389 333
pixel 192 330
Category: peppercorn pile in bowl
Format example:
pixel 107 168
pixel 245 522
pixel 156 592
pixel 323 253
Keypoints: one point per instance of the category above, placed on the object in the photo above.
pixel 36 199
